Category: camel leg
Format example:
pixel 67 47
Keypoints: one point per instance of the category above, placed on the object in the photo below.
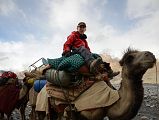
pixel 33 114
pixel 1 116
pixel 52 113
pixel 22 111
pixel 41 115
pixel 8 117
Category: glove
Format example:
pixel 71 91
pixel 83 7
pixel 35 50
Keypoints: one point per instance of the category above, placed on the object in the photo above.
pixel 66 54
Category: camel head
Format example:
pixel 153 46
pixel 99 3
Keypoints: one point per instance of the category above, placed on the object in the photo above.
pixel 137 62
pixel 27 83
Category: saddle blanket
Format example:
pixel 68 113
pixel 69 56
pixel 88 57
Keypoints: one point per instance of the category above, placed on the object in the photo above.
pixel 42 100
pixel 71 93
pixel 98 95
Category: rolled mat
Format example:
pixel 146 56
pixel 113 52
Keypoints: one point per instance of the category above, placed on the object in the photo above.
pixel 58 77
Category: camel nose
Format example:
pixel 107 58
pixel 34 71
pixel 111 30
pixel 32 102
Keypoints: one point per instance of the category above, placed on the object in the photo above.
pixel 149 54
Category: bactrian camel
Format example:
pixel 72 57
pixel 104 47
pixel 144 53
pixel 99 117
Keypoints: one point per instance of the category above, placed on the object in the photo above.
pixel 134 65
pixel 23 100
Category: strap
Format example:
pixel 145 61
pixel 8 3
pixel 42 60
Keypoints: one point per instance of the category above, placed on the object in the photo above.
pixel 66 95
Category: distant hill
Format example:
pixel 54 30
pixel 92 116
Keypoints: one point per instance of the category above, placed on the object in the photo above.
pixel 150 75
pixel 114 62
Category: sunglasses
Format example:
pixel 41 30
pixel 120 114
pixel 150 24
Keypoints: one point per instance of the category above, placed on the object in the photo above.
pixel 82 26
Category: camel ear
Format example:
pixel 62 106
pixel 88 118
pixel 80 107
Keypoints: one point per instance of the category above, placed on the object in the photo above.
pixel 127 60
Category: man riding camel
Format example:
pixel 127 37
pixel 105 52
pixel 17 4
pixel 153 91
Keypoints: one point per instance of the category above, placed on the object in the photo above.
pixel 77 44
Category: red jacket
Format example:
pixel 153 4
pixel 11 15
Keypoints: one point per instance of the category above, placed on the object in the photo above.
pixel 74 40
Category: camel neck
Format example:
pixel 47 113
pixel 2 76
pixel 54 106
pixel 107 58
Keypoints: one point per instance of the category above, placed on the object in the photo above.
pixel 24 90
pixel 131 96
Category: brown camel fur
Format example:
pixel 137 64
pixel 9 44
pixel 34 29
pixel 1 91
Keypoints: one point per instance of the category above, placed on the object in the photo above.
pixel 134 65
pixel 22 102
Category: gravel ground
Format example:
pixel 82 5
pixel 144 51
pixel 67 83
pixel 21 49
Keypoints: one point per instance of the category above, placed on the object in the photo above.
pixel 150 106
pixel 148 111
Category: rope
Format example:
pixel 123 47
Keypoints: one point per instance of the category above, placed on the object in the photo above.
pixel 157 88
pixel 65 93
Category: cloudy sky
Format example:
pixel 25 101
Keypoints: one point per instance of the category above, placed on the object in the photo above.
pixel 31 29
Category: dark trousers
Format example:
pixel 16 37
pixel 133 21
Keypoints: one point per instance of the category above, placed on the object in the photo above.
pixel 84 52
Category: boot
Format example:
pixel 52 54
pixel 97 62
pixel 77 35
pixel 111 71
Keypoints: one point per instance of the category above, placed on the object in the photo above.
pixel 94 64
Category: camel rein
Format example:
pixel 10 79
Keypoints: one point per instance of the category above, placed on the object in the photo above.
pixel 157 87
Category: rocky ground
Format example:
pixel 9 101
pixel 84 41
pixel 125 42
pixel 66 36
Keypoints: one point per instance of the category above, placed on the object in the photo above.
pixel 150 106
pixel 148 111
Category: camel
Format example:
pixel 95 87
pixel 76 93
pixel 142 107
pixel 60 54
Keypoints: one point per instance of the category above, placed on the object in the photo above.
pixel 22 100
pixel 134 64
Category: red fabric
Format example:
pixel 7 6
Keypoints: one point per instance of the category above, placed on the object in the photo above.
pixel 84 69
pixel 9 95
pixel 9 75
pixel 74 40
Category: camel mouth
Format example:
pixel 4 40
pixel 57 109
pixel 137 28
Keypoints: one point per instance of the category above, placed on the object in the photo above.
pixel 151 60
pixel 149 64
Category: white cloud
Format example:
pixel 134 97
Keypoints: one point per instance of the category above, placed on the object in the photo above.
pixel 63 16
pixel 141 8
pixel 19 55
pixel 7 7
pixel 144 34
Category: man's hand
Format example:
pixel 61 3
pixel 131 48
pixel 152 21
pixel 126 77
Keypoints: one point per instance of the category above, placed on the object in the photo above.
pixel 66 54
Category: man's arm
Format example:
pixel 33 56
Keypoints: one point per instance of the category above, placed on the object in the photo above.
pixel 67 45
